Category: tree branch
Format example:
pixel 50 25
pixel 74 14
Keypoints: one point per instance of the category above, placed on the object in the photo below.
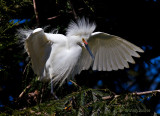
pixel 24 91
pixel 26 67
pixel 134 93
pixel 50 18
pixel 36 13
pixel 75 84
pixel 73 10
pixel 54 17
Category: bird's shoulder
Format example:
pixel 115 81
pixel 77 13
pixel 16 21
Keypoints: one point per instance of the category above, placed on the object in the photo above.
pixel 56 37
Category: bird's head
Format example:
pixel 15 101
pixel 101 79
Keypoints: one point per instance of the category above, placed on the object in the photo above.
pixel 80 30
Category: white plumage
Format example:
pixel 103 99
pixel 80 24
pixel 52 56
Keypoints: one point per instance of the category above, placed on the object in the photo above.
pixel 57 57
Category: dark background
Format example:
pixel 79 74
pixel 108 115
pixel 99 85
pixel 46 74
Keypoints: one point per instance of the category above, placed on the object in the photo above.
pixel 137 21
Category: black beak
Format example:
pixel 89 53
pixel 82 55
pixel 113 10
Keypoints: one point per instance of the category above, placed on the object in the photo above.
pixel 87 47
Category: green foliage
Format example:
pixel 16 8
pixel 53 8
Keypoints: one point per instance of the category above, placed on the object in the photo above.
pixel 9 10
pixel 9 49
pixel 36 99
pixel 88 102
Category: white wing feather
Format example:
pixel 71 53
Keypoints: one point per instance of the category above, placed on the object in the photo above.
pixel 110 52
pixel 50 57
pixel 38 48
pixel 51 60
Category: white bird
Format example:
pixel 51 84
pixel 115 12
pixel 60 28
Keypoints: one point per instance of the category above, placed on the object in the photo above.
pixel 57 57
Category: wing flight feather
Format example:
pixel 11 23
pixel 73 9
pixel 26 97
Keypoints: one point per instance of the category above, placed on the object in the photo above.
pixel 110 52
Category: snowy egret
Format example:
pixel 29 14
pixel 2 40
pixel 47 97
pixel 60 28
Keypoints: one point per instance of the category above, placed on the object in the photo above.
pixel 57 57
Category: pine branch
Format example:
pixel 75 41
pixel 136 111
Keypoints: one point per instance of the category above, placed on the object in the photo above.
pixel 134 93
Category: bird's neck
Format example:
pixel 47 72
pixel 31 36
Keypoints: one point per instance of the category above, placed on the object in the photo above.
pixel 72 41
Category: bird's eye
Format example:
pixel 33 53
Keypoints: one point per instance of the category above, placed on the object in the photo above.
pixel 83 40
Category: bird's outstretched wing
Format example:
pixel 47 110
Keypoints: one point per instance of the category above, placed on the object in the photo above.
pixel 38 48
pixel 110 53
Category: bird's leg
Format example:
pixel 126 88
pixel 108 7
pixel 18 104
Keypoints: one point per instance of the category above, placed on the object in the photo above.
pixel 52 88
pixel 53 92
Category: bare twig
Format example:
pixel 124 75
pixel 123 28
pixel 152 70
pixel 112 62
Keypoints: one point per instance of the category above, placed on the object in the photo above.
pixel 26 67
pixel 134 93
pixel 74 12
pixel 50 18
pixel 55 17
pixel 24 91
pixel 146 92
pixel 75 84
pixel 87 4
pixel 109 97
pixel 36 12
